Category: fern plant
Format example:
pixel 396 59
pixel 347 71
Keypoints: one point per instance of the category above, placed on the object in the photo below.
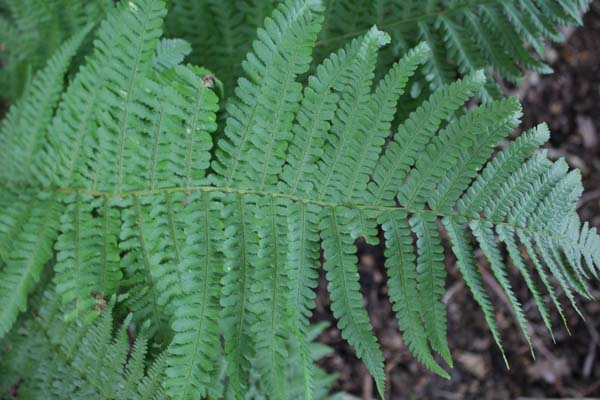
pixel 118 186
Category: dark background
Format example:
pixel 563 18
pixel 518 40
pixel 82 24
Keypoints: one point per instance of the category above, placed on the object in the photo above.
pixel 569 101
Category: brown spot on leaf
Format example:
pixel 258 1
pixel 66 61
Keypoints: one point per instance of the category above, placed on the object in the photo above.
pixel 209 81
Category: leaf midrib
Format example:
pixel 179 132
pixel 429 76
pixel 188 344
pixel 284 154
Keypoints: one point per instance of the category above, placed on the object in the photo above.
pixel 226 189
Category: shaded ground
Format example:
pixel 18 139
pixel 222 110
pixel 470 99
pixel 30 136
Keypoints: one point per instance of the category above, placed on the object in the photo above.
pixel 569 101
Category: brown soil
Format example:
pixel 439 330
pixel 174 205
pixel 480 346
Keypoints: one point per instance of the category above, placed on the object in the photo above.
pixel 569 101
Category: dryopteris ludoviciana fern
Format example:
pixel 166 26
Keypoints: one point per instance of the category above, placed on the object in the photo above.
pixel 203 241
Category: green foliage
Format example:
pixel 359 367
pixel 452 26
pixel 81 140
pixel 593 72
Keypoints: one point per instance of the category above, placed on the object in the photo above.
pixel 31 31
pixel 464 35
pixel 62 360
pixel 119 186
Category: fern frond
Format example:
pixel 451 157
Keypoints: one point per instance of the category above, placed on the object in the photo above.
pixel 313 120
pixel 302 260
pixel 431 276
pixel 414 135
pixel 137 269
pixel 87 360
pixel 506 169
pixel 467 266
pixel 130 41
pixel 17 210
pixel 381 110
pixel 476 34
pixel 342 146
pixel 295 380
pixel 200 242
pixel 507 236
pixel 102 86
pixel 464 36
pixel 269 299
pixel 485 236
pixel 32 31
pixel 240 249
pixel 464 144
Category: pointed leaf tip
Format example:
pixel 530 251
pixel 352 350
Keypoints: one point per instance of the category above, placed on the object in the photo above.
pixel 422 47
pixel 379 36
pixel 479 76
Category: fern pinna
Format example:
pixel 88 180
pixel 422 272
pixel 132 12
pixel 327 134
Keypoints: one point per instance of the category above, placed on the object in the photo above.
pixel 118 186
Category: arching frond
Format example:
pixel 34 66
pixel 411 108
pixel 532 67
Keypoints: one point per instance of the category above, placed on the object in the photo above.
pixel 214 248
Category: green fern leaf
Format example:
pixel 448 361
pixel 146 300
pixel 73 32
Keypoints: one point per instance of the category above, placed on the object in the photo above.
pixel 240 247
pixel 343 144
pixel 294 26
pixel 468 268
pixel 414 134
pixel 402 282
pixel 431 276
pixel 194 350
pixel 344 290
pixel 127 191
